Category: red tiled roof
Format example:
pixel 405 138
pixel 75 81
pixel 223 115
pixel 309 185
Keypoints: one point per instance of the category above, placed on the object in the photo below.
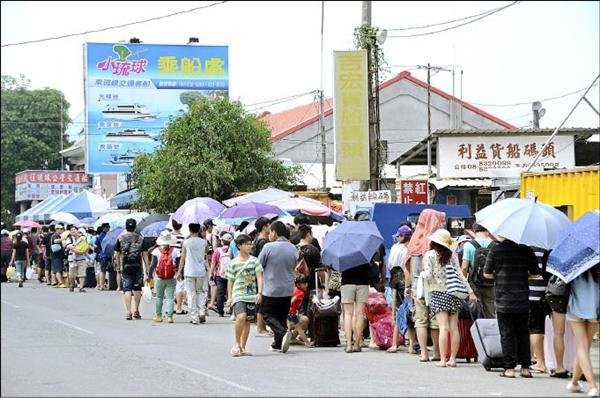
pixel 287 122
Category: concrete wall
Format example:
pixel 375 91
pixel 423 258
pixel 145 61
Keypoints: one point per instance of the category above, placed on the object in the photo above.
pixel 403 115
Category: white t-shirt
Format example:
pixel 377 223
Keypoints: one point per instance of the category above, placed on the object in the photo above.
pixel 398 256
pixel 195 257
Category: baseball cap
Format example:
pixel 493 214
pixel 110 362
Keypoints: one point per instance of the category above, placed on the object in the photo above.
pixel 130 223
pixel 463 238
pixel 403 231
pixel 59 226
pixel 209 223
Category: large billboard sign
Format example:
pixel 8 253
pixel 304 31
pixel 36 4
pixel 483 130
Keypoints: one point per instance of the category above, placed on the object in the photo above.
pixel 39 184
pixel 132 90
pixel 351 115
pixel 502 156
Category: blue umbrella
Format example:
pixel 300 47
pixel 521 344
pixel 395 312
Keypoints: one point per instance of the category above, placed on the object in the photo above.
pixel 110 240
pixel 154 229
pixel 351 244
pixel 577 248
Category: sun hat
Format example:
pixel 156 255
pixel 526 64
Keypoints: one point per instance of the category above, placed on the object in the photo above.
pixel 443 237
pixel 59 226
pixel 166 238
pixel 4 232
pixel 227 237
pixel 403 231
pixel 82 231
pixel 463 238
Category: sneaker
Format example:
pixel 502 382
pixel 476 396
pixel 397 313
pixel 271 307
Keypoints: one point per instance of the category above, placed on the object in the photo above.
pixel 21 284
pixel 235 352
pixel 82 290
pixel 285 342
pixel 202 319
pixel 157 318
pixel 194 321
pixel 593 392
pixel 170 319
pixel 574 387
pixel 62 286
pixel 72 289
pixel 274 349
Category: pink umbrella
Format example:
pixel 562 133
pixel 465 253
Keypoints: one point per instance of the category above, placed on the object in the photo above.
pixel 28 223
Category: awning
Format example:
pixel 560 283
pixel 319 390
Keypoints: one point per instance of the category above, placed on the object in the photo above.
pixel 124 199
pixel 461 182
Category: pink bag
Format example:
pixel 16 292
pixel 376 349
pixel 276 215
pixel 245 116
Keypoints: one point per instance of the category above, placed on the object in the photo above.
pixel 383 331
pixel 376 305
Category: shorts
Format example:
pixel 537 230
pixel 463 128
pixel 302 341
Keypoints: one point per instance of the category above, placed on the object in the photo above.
pixel 293 319
pixel 444 302
pixel 575 318
pixel 132 279
pixel 354 293
pixel 180 287
pixel 242 307
pixel 56 265
pixel 557 303
pixel 422 317
pixel 105 265
pixel 78 269
pixel 537 316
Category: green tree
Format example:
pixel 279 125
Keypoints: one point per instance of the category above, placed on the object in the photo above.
pixel 30 134
pixel 212 150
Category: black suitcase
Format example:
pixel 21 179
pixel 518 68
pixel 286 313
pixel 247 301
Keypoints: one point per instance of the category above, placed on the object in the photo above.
pixel 112 280
pixel 90 277
pixel 3 277
pixel 326 331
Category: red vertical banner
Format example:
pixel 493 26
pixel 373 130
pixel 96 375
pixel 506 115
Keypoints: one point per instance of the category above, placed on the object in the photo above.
pixel 414 191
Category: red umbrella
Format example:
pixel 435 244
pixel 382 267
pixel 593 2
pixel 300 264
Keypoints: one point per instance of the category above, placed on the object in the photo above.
pixel 28 223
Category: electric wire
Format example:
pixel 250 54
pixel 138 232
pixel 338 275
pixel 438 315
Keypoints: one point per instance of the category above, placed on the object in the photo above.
pixel 113 27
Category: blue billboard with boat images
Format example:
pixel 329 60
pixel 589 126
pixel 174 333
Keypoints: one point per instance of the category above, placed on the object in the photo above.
pixel 132 90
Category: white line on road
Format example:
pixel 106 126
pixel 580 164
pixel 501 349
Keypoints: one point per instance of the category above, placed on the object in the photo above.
pixel 211 376
pixel 73 326
pixel 9 304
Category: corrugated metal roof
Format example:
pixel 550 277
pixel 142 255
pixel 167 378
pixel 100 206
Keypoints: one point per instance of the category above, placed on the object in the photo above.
pixel 580 132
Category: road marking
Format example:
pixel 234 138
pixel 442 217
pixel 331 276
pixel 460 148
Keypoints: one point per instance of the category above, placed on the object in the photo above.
pixel 211 376
pixel 9 304
pixel 73 326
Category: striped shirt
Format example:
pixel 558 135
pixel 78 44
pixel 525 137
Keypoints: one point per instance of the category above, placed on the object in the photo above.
pixel 511 265
pixel 243 275
pixel 537 287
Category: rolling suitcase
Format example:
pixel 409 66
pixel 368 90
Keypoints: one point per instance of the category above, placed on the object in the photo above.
pixel 467 349
pixel 112 280
pixel 486 337
pixel 90 277
pixel 324 318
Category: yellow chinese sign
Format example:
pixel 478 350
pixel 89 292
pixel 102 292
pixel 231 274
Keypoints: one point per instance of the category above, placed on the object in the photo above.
pixel 351 115
pixel 186 66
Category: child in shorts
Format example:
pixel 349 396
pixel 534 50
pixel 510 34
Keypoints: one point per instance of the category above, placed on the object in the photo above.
pixel 298 323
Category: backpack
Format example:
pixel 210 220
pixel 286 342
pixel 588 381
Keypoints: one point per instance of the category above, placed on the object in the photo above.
pixel 132 251
pixel 476 271
pixel 166 266
pixel 224 260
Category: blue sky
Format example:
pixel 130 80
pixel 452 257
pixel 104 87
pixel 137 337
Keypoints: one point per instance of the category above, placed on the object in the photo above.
pixel 530 51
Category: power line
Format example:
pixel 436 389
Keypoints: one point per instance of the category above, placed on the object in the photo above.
pixel 278 100
pixel 444 23
pixel 529 102
pixel 459 25
pixel 114 27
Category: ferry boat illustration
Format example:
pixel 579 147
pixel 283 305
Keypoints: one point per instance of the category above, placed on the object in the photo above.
pixel 130 135
pixel 125 158
pixel 128 112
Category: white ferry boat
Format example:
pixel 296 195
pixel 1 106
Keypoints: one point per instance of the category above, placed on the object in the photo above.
pixel 130 135
pixel 128 112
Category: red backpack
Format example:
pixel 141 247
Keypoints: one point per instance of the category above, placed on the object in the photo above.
pixel 166 266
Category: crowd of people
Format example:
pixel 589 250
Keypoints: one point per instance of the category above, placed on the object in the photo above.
pixel 268 274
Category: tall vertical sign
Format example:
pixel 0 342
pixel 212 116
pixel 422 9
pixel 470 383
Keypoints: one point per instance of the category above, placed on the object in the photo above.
pixel 351 115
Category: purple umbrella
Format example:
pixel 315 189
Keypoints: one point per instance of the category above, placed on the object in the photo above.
pixel 197 210
pixel 251 210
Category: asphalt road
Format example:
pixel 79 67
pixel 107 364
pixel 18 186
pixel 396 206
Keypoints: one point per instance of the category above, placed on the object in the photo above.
pixel 56 343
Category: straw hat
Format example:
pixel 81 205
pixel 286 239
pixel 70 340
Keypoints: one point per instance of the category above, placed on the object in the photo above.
pixel 442 237
pixel 166 239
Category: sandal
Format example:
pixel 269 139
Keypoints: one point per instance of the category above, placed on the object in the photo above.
pixel 526 373
pixel 235 352
pixel 561 375
pixel 357 349
pixel 183 312
pixel 129 317
pixel 503 374
pixel 348 349
pixel 136 315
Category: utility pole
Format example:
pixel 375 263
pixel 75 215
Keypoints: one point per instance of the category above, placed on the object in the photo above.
pixel 62 158
pixel 322 107
pixel 428 120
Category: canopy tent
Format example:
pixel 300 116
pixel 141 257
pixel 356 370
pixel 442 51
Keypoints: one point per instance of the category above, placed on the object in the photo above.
pixel 263 196
pixel 85 204
pixel 44 214
pixel 27 213
pixel 124 199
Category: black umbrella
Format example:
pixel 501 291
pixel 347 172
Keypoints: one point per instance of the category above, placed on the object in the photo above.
pixel 152 218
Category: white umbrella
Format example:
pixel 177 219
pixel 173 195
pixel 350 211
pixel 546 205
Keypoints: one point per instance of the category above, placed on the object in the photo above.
pixel 64 217
pixel 523 221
